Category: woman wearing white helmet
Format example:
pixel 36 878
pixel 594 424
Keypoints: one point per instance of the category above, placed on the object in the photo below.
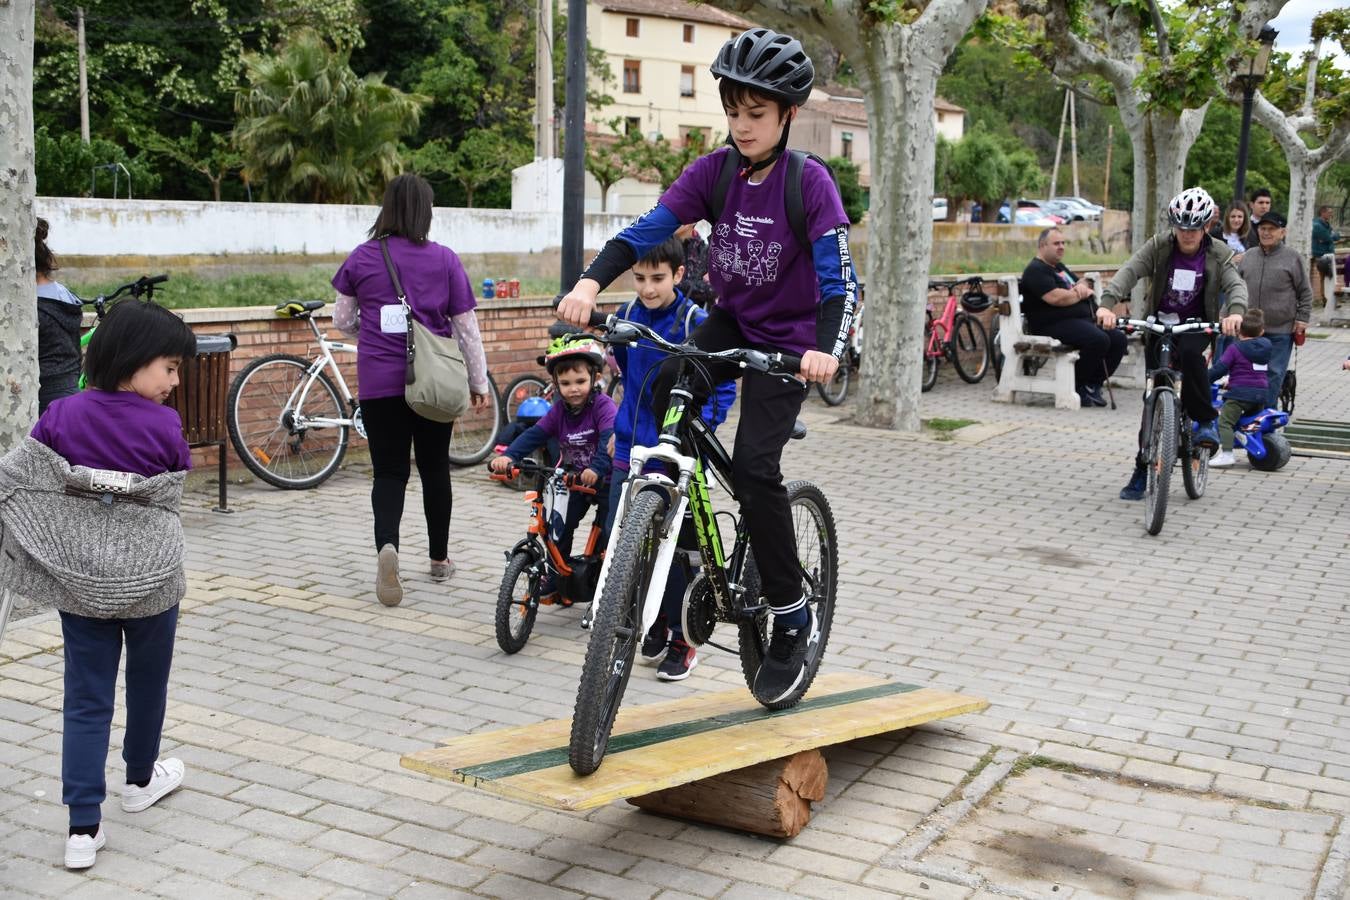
pixel 1190 276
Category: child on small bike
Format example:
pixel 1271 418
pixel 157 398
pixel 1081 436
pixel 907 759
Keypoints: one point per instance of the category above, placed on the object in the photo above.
pixel 104 470
pixel 581 420
pixel 661 306
pixel 1244 362
pixel 776 292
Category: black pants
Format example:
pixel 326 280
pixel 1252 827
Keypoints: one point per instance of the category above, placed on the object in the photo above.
pixel 769 407
pixel 1188 355
pixel 1099 351
pixel 393 430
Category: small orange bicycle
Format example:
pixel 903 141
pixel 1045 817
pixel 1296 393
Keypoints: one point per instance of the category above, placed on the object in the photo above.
pixel 537 572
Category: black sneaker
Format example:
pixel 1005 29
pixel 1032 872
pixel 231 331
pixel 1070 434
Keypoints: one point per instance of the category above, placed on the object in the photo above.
pixel 655 643
pixel 679 662
pixel 784 666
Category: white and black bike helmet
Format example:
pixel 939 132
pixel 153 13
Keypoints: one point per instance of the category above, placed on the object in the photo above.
pixel 772 64
pixel 1191 210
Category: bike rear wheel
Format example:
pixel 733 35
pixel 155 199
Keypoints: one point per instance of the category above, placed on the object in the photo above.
pixel 272 438
pixel 1194 462
pixel 930 360
pixel 615 632
pixel 518 391
pixel 517 603
pixel 475 432
pixel 1277 455
pixel 970 349
pixel 1160 458
pixel 818 552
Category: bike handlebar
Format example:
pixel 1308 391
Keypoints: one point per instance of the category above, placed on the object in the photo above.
pixel 143 285
pixel 534 467
pixel 975 281
pixel 1153 325
pixel 622 332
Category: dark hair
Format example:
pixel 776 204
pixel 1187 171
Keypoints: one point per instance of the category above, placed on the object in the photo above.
pixel 43 256
pixel 734 93
pixel 572 363
pixel 1253 323
pixel 1323 208
pixel 132 335
pixel 406 210
pixel 1260 192
pixel 670 251
pixel 1246 219
pixel 1044 237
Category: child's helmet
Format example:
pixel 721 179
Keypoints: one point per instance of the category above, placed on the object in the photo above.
pixel 574 347
pixel 1191 210
pixel 771 63
pixel 531 410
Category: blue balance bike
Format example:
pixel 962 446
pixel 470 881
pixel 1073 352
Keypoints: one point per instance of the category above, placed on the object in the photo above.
pixel 1259 434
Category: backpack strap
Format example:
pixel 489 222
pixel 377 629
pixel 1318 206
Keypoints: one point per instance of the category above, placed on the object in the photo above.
pixel 626 308
pixel 731 162
pixel 690 308
pixel 792 198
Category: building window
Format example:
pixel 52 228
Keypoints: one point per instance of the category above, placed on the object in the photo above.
pixel 846 145
pixel 942 117
pixel 633 125
pixel 632 27
pixel 632 76
pixel 688 34
pixel 686 81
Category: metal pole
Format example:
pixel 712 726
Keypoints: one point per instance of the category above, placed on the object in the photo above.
pixel 1106 186
pixel 1248 93
pixel 574 145
pixel 543 77
pixel 1059 146
pixel 1073 142
pixel 84 78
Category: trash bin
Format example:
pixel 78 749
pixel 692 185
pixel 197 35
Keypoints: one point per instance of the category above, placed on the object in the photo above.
pixel 200 398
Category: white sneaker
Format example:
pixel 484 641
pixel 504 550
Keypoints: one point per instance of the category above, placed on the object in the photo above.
pixel 1221 460
pixel 167 777
pixel 388 588
pixel 82 850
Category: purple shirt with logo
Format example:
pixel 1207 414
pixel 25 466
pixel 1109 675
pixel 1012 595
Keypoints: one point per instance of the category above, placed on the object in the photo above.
pixel 1187 303
pixel 118 430
pixel 579 435
pixel 437 287
pixel 761 275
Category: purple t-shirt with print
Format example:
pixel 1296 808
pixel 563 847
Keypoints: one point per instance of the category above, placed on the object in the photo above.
pixel 118 430
pixel 1185 294
pixel 761 274
pixel 437 287
pixel 579 435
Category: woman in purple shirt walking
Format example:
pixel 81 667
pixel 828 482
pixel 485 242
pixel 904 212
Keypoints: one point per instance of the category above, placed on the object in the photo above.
pixel 441 298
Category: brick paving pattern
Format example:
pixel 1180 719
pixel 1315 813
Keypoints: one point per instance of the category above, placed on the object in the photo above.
pixel 1208 659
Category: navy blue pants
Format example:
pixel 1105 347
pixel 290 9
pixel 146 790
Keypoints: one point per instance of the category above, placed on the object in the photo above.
pixel 93 649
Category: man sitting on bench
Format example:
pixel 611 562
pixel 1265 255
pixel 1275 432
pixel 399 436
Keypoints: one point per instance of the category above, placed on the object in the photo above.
pixel 1060 305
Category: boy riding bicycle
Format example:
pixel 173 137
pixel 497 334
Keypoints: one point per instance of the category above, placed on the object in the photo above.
pixel 774 294
pixel 1188 271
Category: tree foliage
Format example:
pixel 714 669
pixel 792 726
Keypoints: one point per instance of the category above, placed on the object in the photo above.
pixel 850 187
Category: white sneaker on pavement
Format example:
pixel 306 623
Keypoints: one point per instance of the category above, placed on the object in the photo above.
pixel 1221 460
pixel 82 850
pixel 167 777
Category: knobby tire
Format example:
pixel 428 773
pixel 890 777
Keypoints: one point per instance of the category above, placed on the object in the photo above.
pixel 970 349
pixel 1161 458
pixel 517 603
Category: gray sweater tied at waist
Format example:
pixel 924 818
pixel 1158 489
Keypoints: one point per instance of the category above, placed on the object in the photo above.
pixel 107 545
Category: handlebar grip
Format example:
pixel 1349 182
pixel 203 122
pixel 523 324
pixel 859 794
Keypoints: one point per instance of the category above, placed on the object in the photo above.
pixel 157 279
pixel 793 364
pixel 597 317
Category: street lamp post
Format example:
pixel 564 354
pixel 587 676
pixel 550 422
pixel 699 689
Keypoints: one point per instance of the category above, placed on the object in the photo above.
pixel 1251 75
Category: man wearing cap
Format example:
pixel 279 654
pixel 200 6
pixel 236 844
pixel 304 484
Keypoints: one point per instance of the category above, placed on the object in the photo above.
pixel 1277 283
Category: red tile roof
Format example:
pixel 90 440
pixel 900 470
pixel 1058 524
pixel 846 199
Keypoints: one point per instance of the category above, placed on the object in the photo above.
pixel 677 9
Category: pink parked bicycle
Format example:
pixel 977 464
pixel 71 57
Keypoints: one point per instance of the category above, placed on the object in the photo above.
pixel 958 334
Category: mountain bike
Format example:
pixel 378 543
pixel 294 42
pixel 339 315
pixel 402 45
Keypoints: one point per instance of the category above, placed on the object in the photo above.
pixel 958 334
pixel 668 481
pixel 1168 436
pixel 535 559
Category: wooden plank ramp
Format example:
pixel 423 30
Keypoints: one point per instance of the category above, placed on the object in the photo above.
pixel 664 745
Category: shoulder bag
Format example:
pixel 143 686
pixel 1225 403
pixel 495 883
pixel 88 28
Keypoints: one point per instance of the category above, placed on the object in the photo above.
pixel 437 383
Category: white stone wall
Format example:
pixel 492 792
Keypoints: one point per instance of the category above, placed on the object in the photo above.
pixel 102 227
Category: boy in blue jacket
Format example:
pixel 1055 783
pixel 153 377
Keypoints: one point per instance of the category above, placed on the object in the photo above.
pixel 663 308
pixel 1245 362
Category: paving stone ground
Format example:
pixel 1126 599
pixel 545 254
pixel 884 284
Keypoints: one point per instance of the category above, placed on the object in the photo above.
pixel 1209 662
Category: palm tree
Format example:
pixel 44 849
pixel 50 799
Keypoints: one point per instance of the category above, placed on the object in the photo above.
pixel 311 129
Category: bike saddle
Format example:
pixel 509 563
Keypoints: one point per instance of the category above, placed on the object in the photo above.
pixel 798 430
pixel 297 308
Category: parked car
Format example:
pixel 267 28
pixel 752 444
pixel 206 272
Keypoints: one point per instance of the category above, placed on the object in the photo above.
pixel 1069 212
pixel 1040 207
pixel 1091 210
pixel 939 209
pixel 1028 215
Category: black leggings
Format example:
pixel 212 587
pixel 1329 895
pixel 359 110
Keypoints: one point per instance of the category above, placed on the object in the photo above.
pixel 393 430
pixel 769 407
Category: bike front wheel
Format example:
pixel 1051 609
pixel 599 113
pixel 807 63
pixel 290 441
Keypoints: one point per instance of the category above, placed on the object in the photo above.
pixel 970 349
pixel 817 549
pixel 615 632
pixel 1160 458
pixel 517 603
pixel 1194 462
pixel 274 437
pixel 475 433
pixel 930 359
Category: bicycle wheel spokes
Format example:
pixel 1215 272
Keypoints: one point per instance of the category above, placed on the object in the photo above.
pixel 970 349
pixel 615 633
pixel 272 422
pixel 1162 457
pixel 475 432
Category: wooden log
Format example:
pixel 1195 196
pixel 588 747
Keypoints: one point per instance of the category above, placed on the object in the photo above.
pixel 772 798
